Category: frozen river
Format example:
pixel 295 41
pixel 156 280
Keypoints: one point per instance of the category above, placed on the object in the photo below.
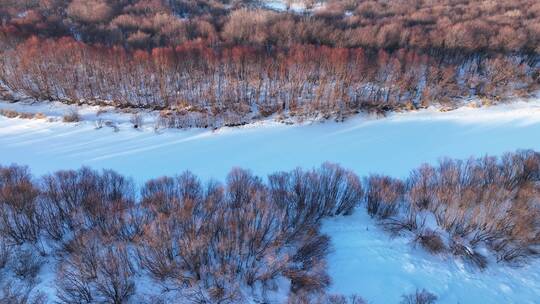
pixel 391 145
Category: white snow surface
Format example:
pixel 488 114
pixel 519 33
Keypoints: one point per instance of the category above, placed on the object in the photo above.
pixel 368 262
pixel 297 6
pixel 393 145
pixel 365 260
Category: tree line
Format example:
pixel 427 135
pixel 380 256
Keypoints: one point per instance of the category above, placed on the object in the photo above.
pixel 197 85
pixel 209 63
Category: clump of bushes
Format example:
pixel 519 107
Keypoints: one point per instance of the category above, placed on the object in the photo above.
pixel 233 241
pixel 431 241
pixel 210 242
pixel 71 116
pixel 22 115
pixel 419 297
pixel 383 196
pixel 9 113
pixel 27 264
pixel 458 248
pixel 490 202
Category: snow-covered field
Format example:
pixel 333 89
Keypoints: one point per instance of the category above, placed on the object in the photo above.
pixel 365 260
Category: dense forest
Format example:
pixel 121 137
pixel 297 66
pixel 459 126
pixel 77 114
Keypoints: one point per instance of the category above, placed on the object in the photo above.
pixel 213 63
pixel 461 25
pixel 177 239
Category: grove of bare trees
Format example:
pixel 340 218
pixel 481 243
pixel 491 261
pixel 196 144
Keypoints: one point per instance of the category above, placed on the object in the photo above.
pixel 478 203
pixel 192 241
pixel 212 63
pixel 179 239
pixel 196 85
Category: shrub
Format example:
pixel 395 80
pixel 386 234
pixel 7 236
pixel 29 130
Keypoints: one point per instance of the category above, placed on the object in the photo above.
pixel 431 241
pixel 76 274
pixel 420 187
pixel 13 293
pixel 114 283
pixel 469 254
pixel 341 299
pixel 89 11
pixel 9 113
pixel 5 253
pixel 490 201
pixel 419 297
pixel 247 26
pixel 308 264
pixel 71 116
pixel 137 120
pixel 19 215
pixel 40 116
pixel 86 199
pixel 95 271
pixel 412 221
pixel 383 196
pixel 181 206
pixel 176 246
pixel 310 196
pixel 27 264
pixel 341 189
pixel 26 115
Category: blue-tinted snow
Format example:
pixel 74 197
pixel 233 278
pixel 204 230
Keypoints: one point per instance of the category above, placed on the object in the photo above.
pixel 391 145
